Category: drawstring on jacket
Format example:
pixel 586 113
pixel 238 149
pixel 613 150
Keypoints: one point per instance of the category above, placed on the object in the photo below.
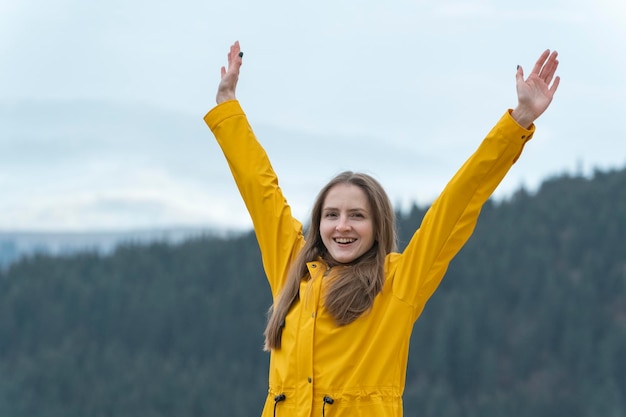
pixel 282 397
pixel 327 400
pixel 277 399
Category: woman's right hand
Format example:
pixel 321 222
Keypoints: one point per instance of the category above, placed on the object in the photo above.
pixel 230 75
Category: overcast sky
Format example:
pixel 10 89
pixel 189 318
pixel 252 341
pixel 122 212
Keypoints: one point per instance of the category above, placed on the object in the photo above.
pixel 101 103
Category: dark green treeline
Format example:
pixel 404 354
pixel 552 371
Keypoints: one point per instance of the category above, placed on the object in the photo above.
pixel 529 321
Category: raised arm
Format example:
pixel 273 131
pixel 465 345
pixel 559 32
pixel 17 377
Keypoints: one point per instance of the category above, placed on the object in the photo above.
pixel 279 235
pixel 451 219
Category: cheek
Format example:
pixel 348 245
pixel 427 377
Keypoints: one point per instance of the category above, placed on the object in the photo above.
pixel 324 228
pixel 368 231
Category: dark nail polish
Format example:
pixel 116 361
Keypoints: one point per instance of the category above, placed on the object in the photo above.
pixel 240 54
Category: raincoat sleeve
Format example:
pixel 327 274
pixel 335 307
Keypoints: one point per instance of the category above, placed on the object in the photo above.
pixel 451 219
pixel 279 235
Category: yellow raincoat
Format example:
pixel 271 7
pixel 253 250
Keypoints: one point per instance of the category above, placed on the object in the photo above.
pixel 358 369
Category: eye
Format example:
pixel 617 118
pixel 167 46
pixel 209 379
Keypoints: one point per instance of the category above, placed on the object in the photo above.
pixel 357 215
pixel 330 214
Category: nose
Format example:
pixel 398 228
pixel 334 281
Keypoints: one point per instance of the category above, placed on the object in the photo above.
pixel 343 225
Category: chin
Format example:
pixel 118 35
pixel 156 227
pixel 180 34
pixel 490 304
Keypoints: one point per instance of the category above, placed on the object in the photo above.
pixel 345 259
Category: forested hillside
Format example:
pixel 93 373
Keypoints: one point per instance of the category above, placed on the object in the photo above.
pixel 529 321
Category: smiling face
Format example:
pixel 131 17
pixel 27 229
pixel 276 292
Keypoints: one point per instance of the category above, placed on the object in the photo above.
pixel 346 224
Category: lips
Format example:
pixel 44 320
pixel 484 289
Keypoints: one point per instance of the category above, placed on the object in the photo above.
pixel 344 240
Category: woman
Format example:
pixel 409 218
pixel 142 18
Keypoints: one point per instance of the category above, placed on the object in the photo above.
pixel 344 301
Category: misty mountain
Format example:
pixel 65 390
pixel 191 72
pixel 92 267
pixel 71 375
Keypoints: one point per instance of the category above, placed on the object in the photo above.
pixel 17 245
pixel 85 165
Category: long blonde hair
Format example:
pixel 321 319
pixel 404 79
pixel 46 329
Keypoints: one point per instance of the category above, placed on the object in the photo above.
pixel 353 290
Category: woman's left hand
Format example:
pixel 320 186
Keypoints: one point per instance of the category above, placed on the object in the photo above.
pixel 535 94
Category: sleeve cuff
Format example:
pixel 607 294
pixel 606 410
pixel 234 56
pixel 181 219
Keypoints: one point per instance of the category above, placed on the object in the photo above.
pixel 222 112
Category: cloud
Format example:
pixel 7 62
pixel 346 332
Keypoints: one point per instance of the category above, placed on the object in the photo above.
pixel 101 104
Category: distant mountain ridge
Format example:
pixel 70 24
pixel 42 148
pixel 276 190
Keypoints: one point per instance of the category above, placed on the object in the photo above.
pixel 15 245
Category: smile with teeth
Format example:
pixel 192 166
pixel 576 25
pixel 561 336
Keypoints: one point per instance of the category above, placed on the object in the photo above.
pixel 344 240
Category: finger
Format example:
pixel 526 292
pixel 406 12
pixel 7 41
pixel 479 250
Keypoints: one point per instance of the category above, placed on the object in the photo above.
pixel 235 49
pixel 519 75
pixel 223 71
pixel 235 55
pixel 555 84
pixel 231 54
pixel 540 62
pixel 238 53
pixel 550 71
pixel 549 68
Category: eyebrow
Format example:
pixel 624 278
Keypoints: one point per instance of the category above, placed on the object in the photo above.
pixel 353 210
